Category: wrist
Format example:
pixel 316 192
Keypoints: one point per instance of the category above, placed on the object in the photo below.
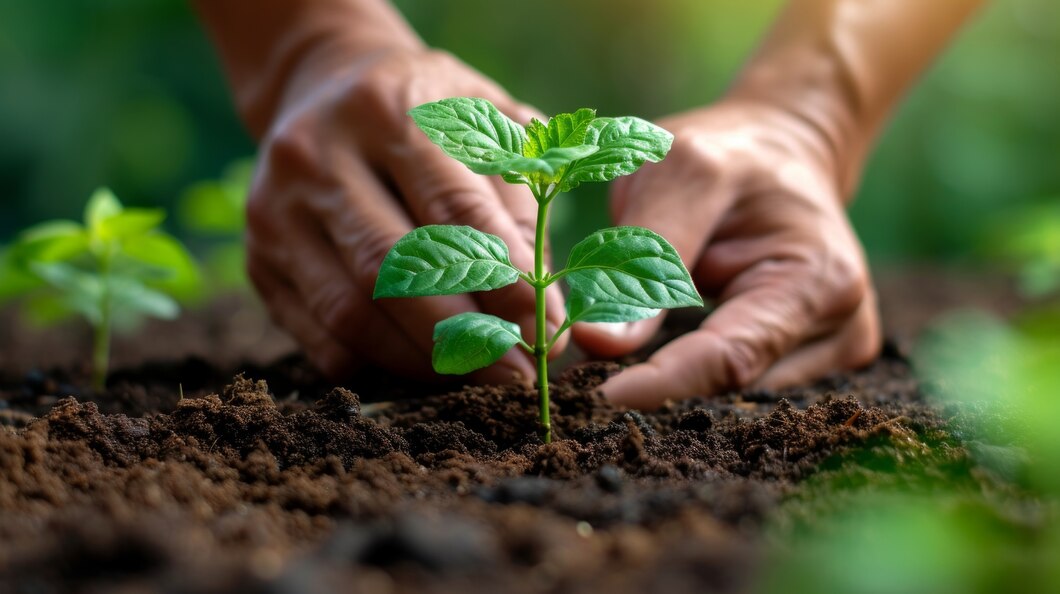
pixel 813 100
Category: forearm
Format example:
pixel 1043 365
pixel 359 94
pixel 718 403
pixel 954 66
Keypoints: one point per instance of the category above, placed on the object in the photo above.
pixel 272 50
pixel 841 65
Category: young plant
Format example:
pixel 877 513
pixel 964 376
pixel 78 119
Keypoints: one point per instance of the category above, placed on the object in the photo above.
pixel 112 270
pixel 620 274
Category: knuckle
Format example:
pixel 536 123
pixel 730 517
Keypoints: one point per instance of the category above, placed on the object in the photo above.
pixel 336 306
pixel 460 205
pixel 866 344
pixel 368 253
pixel 741 364
pixel 850 284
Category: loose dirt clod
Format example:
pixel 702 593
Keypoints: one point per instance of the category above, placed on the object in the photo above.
pixel 236 491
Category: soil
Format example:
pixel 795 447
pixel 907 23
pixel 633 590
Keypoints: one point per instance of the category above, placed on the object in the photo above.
pixel 196 476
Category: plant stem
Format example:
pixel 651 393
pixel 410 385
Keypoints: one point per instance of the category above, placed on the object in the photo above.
pixel 101 331
pixel 101 350
pixel 541 343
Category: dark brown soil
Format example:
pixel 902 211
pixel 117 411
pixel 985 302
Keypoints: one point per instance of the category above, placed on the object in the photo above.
pixel 279 482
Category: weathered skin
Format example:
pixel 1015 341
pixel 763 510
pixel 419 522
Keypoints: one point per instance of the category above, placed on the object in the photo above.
pixel 752 194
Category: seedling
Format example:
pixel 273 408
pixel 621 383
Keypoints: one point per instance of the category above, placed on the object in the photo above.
pixel 112 270
pixel 620 274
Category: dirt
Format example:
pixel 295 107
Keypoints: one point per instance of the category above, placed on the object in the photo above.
pixel 183 478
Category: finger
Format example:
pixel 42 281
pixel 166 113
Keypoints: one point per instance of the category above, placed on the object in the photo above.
pixel 856 345
pixel 608 340
pixel 438 190
pixel 363 226
pixel 774 308
pixel 286 310
pixel 327 293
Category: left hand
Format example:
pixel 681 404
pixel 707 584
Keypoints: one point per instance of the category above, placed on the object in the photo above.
pixel 749 197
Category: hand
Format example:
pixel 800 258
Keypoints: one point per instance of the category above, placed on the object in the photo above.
pixel 343 174
pixel 748 196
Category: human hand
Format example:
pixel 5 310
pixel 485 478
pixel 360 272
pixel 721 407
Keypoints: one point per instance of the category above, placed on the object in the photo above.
pixel 749 197
pixel 344 173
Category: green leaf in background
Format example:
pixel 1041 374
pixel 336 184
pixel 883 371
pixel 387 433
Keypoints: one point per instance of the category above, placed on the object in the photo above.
pixel 129 223
pixel 563 130
pixel 470 341
pixel 218 206
pixel 101 205
pixel 625 144
pixel 630 266
pixel 444 260
pixel 582 308
pixel 470 130
pixel 175 271
pixel 81 291
pixel 51 241
pixel 131 298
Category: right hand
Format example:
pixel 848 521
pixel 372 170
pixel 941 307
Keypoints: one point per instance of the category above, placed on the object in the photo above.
pixel 344 173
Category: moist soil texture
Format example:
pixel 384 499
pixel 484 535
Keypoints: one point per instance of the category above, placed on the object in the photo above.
pixel 185 476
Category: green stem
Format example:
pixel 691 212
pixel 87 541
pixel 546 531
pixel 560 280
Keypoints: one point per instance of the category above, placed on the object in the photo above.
pixel 101 331
pixel 541 345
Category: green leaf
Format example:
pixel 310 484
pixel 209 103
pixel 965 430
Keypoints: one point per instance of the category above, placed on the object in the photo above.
pixel 102 205
pixel 129 223
pixel 630 266
pixel 130 296
pixel 470 130
pixel 582 308
pixel 625 144
pixel 15 279
pixel 51 241
pixel 548 167
pixel 563 130
pixel 82 291
pixel 444 260
pixel 169 265
pixel 470 341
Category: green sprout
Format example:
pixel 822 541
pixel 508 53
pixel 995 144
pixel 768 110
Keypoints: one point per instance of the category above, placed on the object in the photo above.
pixel 619 274
pixel 113 269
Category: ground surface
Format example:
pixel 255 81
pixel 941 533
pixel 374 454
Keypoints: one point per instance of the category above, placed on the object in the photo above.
pixel 276 481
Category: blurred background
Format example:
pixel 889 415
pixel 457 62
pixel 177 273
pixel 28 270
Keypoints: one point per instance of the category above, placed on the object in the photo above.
pixel 128 93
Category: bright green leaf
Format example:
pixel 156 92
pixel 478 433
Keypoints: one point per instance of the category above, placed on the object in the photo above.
pixel 549 166
pixel 102 205
pixel 169 265
pixel 470 341
pixel 52 241
pixel 625 144
pixel 470 130
pixel 444 260
pixel 630 266
pixel 581 308
pixel 129 223
pixel 564 130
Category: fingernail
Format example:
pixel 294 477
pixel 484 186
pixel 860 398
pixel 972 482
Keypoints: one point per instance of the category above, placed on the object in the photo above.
pixel 617 329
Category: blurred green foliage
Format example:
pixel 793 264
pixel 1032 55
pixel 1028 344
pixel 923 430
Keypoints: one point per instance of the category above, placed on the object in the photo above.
pixel 972 506
pixel 128 93
pixel 113 269
pixel 212 213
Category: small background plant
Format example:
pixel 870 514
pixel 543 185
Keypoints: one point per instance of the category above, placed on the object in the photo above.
pixel 113 269
pixel 620 274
